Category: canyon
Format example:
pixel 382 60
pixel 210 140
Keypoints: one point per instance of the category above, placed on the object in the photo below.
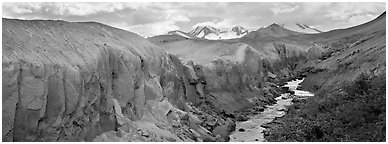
pixel 86 81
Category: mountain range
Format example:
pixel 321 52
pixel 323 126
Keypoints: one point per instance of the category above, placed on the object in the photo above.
pixel 213 33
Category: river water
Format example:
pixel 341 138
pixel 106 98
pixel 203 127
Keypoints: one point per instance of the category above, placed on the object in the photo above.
pixel 252 128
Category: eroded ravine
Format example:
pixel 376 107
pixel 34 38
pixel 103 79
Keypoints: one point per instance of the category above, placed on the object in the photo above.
pixel 251 130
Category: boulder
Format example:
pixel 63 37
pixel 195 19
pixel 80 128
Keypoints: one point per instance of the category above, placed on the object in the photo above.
pixel 285 89
pixel 222 131
pixel 242 118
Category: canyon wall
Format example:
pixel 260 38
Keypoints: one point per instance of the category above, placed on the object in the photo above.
pixel 90 82
pixel 235 75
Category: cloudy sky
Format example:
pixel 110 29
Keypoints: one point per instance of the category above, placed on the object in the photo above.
pixel 149 19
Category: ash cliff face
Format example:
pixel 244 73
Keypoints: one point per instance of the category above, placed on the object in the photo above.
pixel 241 73
pixel 233 73
pixel 87 81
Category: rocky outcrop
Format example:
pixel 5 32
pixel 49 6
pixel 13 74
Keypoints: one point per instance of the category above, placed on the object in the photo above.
pixel 314 52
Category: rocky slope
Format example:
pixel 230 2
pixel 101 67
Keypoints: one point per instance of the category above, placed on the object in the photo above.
pixel 90 82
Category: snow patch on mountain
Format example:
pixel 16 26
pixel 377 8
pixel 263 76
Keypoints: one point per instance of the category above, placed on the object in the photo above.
pixel 180 33
pixel 210 32
pixel 308 29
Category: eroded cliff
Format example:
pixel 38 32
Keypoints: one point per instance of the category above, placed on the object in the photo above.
pixel 90 82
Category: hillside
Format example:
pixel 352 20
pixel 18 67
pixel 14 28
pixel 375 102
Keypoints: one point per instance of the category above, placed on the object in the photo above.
pixel 349 81
pixel 276 30
pixel 348 53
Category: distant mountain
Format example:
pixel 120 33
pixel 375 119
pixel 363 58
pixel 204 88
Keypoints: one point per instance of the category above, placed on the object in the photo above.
pixel 180 33
pixel 276 30
pixel 209 32
pixel 205 32
pixel 307 28
pixel 239 30
pixel 273 30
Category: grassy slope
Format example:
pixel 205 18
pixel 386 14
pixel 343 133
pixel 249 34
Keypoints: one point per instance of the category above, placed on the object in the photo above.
pixel 356 113
pixel 350 89
pixel 353 51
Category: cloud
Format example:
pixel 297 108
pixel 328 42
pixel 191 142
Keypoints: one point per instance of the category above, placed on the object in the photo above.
pixel 249 22
pixel 82 9
pixel 159 18
pixel 176 16
pixel 153 29
pixel 20 8
pixel 167 22
pixel 347 11
pixel 69 8
pixel 280 8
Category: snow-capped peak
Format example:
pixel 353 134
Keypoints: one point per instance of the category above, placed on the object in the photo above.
pixel 239 30
pixel 203 31
pixel 210 32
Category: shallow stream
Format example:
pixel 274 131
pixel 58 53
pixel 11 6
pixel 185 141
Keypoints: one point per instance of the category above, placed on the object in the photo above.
pixel 251 130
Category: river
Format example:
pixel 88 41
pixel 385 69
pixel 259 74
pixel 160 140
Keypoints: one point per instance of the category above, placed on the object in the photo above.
pixel 251 130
